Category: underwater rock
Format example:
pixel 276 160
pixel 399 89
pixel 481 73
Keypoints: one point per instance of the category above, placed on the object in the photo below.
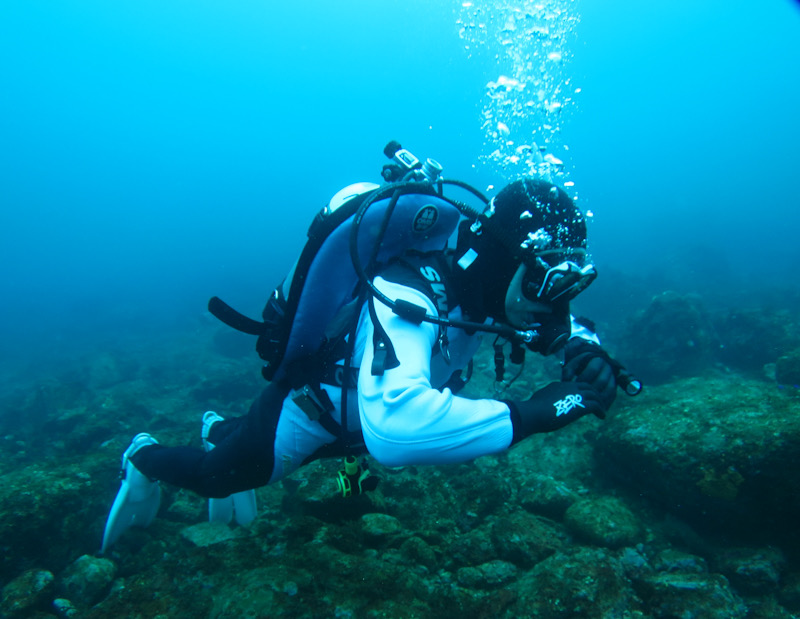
pixel 672 560
pixel 584 583
pixel 206 534
pixel 752 338
pixel 752 571
pixel 700 596
pixel 488 575
pixel 418 551
pixel 187 507
pixel 547 496
pixel 524 539
pixel 635 562
pixel 86 579
pixel 604 521
pixel 672 337
pixel 767 608
pixel 44 515
pixel 719 452
pixel 25 594
pixel 787 369
pixel 380 527
pixel 64 609
pixel 789 594
pixel 106 369
pixel 472 548
pixel 273 591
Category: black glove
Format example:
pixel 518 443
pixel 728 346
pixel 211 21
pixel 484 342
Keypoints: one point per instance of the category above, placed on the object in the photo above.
pixel 587 362
pixel 553 407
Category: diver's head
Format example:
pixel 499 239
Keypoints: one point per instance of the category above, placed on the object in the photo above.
pixel 527 253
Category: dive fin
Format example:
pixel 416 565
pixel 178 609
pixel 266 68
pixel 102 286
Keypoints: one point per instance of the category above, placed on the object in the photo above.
pixel 137 500
pixel 220 510
pixel 244 507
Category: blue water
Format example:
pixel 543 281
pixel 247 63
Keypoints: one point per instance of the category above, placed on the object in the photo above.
pixel 153 154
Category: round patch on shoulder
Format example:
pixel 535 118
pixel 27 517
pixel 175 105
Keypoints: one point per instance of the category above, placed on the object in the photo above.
pixel 425 218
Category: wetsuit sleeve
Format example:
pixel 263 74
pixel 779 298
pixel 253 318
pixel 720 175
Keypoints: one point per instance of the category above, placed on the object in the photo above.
pixel 404 419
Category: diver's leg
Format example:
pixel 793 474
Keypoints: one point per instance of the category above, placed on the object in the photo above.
pixel 242 460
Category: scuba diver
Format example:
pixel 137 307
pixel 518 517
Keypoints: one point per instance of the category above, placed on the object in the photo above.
pixel 366 355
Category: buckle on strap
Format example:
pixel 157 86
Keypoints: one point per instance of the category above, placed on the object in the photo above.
pixel 313 401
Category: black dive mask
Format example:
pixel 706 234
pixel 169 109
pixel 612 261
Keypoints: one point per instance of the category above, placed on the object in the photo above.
pixel 538 296
pixel 564 281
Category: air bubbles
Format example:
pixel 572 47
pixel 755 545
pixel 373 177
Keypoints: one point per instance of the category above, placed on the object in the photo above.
pixel 532 94
pixel 553 106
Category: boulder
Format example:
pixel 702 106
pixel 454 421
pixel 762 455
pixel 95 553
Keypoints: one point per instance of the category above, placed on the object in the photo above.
pixel 672 337
pixel 27 593
pixel 85 580
pixel 584 583
pixel 724 458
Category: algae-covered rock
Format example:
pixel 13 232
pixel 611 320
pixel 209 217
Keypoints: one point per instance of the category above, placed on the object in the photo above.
pixel 86 579
pixel 722 452
pixel 547 496
pixel 263 592
pixel 767 608
pixel 585 583
pixel 380 527
pixel 787 369
pixel 27 593
pixel 45 511
pixel 524 539
pixel 604 521
pixel 635 562
pixel 488 575
pixel 789 594
pixel 672 560
pixel 672 337
pixel 751 338
pixel 209 533
pixel 418 551
pixel 472 548
pixel 700 596
pixel 64 609
pixel 752 571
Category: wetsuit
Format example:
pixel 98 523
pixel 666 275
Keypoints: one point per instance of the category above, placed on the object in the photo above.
pixel 403 415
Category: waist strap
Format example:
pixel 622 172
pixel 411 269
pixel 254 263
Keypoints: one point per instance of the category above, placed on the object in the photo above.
pixel 334 375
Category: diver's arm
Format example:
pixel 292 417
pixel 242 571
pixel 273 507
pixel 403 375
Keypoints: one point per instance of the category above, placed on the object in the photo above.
pixel 404 419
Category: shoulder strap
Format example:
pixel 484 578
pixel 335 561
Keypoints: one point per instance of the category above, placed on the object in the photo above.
pixel 424 272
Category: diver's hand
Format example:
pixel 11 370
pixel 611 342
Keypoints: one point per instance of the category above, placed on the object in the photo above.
pixel 587 362
pixel 553 407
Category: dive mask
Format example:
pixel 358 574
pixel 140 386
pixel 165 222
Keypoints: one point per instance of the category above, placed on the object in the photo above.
pixel 564 281
pixel 549 319
pixel 556 274
pixel 536 289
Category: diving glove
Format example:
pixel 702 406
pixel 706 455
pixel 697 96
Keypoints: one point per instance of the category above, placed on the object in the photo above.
pixel 587 362
pixel 553 407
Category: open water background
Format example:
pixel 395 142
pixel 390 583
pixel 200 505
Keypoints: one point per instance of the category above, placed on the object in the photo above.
pixel 154 154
